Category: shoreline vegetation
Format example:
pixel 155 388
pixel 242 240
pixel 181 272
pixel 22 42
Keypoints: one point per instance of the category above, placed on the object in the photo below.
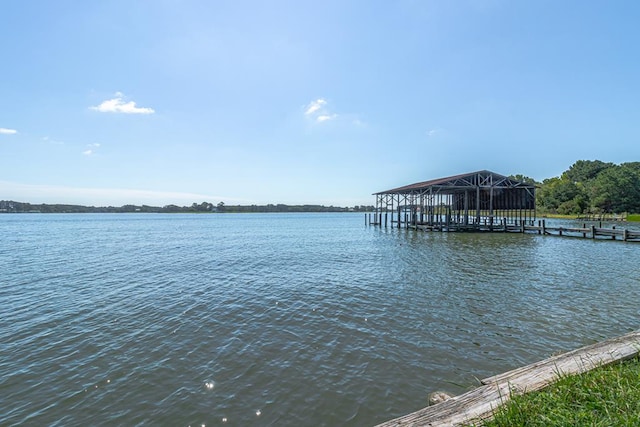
pixel 606 396
pixel 9 206
pixel 603 217
pixel 589 190
pixel 597 385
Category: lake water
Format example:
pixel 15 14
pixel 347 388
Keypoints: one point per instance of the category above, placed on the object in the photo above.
pixel 282 319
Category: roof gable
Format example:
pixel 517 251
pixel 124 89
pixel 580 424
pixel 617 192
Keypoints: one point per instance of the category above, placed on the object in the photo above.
pixel 482 178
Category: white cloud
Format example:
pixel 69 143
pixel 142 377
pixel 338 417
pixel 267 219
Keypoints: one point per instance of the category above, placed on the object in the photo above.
pixel 326 117
pixel 315 106
pixel 118 105
pixel 434 132
pixel 5 131
pixel 318 112
pixel 90 149
pixel 48 140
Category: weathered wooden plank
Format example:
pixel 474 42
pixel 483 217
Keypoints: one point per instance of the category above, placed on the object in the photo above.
pixel 466 409
pixel 609 231
pixel 540 374
pixel 476 405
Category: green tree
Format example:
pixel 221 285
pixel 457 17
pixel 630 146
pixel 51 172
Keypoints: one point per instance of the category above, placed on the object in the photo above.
pixel 617 189
pixel 524 178
pixel 585 170
pixel 556 192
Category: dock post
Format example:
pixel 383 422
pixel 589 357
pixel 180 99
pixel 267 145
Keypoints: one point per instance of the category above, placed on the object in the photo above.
pixel 593 231
pixel 365 220
pixel 625 235
pixel 522 227
pixel 386 217
pixel 504 223
pixel 544 227
pixel 584 235
pixel 613 235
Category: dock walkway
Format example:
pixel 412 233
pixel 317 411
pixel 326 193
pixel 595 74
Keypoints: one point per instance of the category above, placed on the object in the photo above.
pixel 586 231
pixel 591 232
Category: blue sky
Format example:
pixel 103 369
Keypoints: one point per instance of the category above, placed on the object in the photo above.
pixel 159 102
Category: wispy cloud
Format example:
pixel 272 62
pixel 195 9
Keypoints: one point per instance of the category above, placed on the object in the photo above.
pixel 315 106
pixel 91 149
pixel 48 140
pixel 433 132
pixel 317 111
pixel 119 105
pixel 5 131
pixel 325 117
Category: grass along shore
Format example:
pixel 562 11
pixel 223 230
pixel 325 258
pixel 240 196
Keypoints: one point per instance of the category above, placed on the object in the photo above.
pixel 628 217
pixel 606 396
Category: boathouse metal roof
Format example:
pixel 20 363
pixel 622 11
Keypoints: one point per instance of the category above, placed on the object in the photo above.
pixel 455 183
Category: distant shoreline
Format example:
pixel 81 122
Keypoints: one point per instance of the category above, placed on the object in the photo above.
pixel 8 206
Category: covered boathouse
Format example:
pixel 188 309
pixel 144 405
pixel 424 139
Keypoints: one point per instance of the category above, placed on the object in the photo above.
pixel 477 201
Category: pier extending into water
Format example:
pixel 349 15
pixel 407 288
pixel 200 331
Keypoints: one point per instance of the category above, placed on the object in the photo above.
pixel 587 231
pixel 477 201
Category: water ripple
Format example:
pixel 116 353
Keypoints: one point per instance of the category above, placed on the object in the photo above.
pixel 282 319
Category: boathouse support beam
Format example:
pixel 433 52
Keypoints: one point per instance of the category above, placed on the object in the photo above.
pixel 478 205
pixel 491 207
pixel 466 207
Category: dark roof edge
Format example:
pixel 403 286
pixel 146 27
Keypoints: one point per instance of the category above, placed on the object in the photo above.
pixel 438 181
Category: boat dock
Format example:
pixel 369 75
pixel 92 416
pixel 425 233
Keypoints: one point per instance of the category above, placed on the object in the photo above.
pixel 478 201
pixel 587 231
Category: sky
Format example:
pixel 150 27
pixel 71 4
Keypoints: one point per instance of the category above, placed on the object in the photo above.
pixel 299 102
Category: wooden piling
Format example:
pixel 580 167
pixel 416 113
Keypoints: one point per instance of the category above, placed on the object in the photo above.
pixel 445 222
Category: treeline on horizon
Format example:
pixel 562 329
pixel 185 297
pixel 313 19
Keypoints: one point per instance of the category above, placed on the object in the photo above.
pixel 9 206
pixel 587 187
pixel 590 187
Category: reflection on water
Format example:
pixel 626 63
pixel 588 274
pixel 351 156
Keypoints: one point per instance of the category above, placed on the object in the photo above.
pixel 282 319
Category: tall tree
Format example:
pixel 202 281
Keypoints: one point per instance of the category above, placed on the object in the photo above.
pixel 617 189
pixel 585 170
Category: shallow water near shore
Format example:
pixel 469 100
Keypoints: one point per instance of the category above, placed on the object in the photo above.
pixel 282 319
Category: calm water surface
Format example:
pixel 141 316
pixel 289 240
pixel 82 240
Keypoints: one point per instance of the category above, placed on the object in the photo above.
pixel 282 319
